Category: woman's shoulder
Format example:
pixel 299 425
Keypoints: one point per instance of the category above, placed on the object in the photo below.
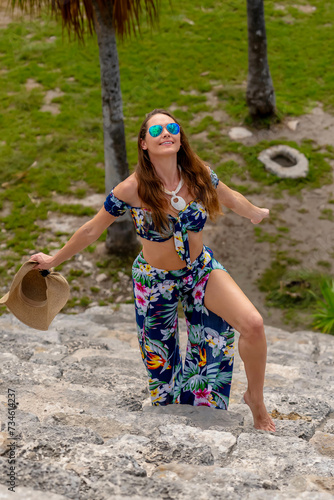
pixel 214 177
pixel 207 166
pixel 127 190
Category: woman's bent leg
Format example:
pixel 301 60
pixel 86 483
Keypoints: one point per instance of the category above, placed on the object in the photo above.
pixel 224 297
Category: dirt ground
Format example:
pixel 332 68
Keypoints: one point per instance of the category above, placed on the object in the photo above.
pixel 232 238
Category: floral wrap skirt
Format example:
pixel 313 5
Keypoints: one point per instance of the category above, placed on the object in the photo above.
pixel 205 378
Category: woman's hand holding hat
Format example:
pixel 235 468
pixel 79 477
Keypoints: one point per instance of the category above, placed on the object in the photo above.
pixel 35 297
pixel 42 260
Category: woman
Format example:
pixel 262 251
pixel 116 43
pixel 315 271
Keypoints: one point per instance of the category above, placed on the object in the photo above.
pixel 169 196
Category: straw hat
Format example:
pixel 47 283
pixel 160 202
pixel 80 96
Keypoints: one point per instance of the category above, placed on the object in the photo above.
pixel 35 297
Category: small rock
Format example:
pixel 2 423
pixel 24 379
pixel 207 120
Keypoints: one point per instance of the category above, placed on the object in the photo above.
pixel 239 133
pixel 293 124
pixel 88 264
pixel 188 21
pixel 101 277
pixel 323 443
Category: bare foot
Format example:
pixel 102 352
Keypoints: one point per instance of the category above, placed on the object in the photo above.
pixel 262 419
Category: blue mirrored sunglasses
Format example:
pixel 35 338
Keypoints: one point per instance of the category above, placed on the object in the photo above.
pixel 156 130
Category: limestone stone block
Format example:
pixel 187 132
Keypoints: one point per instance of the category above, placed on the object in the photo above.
pixel 324 443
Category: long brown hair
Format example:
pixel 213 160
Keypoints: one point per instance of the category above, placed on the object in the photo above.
pixel 194 172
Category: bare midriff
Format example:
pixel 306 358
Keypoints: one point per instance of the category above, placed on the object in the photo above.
pixel 162 255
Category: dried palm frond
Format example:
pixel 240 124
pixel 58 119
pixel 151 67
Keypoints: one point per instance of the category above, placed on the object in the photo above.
pixel 126 14
pixel 78 14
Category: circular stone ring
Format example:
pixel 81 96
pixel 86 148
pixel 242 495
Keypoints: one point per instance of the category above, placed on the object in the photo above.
pixel 284 161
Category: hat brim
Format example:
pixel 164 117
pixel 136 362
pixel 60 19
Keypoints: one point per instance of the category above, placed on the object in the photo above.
pixel 4 299
pixel 35 318
pixel 36 314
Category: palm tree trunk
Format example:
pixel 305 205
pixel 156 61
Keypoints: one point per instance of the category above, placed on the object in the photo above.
pixel 121 236
pixel 260 93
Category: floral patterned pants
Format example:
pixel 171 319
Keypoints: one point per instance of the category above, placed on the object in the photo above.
pixel 205 379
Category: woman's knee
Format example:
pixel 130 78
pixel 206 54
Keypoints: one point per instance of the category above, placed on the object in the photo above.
pixel 252 325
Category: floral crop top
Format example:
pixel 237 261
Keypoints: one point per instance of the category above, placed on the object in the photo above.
pixel 191 218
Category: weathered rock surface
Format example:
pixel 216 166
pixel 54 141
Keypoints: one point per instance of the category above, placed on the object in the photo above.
pixel 85 428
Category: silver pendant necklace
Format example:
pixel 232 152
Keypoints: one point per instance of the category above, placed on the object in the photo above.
pixel 177 202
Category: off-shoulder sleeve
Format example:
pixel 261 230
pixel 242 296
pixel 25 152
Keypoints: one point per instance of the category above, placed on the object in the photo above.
pixel 214 178
pixel 114 205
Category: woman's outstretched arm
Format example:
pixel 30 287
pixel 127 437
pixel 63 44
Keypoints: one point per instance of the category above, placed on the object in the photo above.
pixel 239 204
pixel 82 238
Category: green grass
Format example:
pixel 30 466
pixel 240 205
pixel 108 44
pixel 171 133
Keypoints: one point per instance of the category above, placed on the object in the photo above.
pixel 324 313
pixel 327 213
pixel 295 291
pixel 115 263
pixel 76 272
pixel 324 263
pixel 177 63
pixel 84 301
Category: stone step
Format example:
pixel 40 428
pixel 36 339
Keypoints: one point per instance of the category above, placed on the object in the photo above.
pixel 86 429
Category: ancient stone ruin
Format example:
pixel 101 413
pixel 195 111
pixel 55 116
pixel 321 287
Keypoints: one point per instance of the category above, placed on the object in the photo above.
pixel 284 161
pixel 86 430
